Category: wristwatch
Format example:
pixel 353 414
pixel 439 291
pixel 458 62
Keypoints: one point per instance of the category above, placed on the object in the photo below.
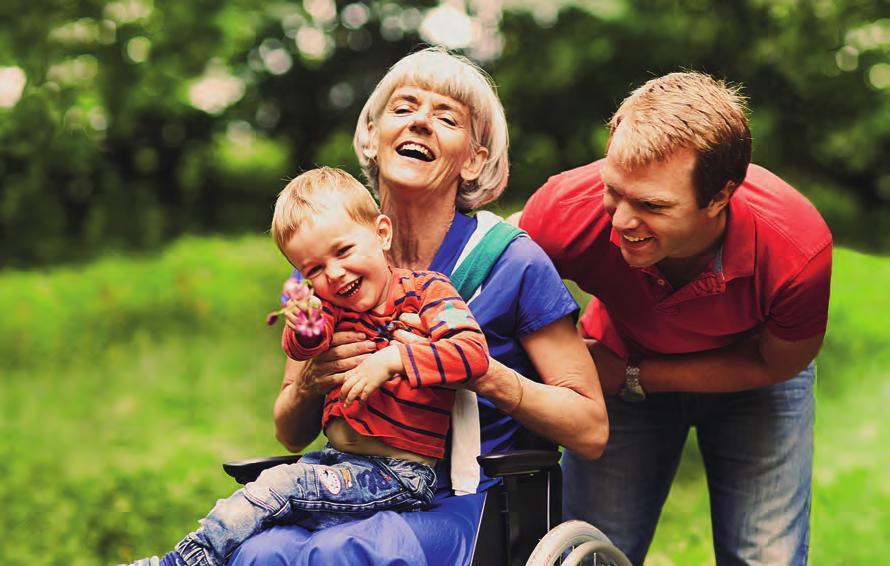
pixel 632 391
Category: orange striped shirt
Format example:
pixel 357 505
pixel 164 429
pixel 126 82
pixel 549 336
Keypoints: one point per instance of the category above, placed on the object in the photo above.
pixel 409 411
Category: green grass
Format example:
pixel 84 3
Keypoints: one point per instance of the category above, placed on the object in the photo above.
pixel 125 384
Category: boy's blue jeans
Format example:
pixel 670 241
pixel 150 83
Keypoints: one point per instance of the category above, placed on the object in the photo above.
pixel 757 449
pixel 323 489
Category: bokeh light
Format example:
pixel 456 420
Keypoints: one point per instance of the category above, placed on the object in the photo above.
pixel 12 83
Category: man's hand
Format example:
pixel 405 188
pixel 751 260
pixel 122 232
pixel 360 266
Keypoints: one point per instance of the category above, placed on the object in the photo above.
pixel 609 366
pixel 376 370
pixel 328 369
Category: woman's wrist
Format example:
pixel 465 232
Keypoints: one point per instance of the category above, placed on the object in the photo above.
pixel 502 386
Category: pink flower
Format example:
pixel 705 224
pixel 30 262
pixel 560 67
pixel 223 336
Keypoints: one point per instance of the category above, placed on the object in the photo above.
pixel 272 318
pixel 296 289
pixel 316 322
pixel 302 324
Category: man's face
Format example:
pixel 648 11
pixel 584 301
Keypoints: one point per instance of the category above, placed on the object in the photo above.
pixel 654 210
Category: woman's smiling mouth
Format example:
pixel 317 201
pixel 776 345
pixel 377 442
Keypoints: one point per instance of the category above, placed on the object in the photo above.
pixel 415 150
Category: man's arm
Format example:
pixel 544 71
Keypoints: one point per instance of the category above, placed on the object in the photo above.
pixel 568 407
pixel 758 361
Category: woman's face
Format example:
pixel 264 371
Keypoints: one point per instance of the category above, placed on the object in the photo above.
pixel 423 141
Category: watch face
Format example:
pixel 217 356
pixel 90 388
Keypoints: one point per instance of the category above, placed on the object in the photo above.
pixel 631 396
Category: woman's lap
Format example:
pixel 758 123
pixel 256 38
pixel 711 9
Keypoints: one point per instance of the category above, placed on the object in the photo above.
pixel 443 535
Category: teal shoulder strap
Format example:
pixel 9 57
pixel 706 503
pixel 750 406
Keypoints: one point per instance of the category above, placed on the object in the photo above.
pixel 475 267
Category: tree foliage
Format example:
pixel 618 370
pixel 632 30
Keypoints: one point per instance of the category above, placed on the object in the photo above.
pixel 140 121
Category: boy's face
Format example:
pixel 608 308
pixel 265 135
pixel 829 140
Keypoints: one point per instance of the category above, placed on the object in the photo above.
pixel 344 259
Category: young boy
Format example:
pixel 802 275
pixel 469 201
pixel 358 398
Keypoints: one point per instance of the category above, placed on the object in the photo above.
pixel 381 449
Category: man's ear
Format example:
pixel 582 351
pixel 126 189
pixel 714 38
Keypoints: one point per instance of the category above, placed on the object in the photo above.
pixel 370 150
pixel 383 225
pixel 721 199
pixel 473 165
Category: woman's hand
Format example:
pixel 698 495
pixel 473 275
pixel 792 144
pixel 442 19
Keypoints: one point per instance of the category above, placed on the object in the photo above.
pixel 328 369
pixel 298 407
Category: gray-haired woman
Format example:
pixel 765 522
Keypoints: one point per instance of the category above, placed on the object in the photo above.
pixel 432 140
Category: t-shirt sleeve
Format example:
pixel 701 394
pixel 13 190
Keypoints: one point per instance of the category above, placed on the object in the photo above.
pixel 456 351
pixel 540 219
pixel 800 310
pixel 543 297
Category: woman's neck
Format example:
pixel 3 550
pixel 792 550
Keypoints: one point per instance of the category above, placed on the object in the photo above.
pixel 419 227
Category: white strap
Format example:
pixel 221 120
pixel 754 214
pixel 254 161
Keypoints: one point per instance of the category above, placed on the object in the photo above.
pixel 466 435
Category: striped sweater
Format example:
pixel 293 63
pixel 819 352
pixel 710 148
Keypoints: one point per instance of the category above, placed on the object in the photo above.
pixel 408 412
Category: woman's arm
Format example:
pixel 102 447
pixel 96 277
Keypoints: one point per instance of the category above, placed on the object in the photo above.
pixel 299 404
pixel 568 407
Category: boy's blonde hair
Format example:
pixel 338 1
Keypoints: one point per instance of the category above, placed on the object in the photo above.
pixel 314 192
pixel 437 70
pixel 685 110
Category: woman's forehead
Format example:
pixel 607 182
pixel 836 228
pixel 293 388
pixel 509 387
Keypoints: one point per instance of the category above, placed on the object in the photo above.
pixel 416 92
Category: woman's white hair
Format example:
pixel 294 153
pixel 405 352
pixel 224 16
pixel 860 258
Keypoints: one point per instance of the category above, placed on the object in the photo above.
pixel 439 71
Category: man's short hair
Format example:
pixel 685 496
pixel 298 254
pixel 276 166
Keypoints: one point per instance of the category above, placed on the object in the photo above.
pixel 439 71
pixel 314 192
pixel 685 110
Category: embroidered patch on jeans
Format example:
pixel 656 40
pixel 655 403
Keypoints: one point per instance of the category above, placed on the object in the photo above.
pixel 329 479
pixel 347 478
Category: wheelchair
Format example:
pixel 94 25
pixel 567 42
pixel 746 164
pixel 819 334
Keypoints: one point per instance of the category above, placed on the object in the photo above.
pixel 521 519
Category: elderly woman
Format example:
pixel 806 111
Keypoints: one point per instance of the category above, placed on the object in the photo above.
pixel 432 140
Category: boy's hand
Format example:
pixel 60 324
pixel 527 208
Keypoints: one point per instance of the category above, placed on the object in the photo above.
pixel 302 312
pixel 370 374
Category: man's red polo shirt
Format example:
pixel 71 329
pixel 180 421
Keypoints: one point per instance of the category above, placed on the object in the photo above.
pixel 774 268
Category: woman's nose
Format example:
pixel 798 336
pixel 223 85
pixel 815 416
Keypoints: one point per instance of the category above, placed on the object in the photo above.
pixel 421 122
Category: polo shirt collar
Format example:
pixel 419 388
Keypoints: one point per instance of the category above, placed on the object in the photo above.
pixel 737 251
pixel 735 258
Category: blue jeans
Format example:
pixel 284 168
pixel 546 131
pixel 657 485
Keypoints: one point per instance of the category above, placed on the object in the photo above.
pixel 757 448
pixel 323 489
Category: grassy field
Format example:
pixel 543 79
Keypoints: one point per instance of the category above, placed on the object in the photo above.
pixel 125 384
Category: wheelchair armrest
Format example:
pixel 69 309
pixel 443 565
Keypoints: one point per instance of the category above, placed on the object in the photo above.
pixel 499 464
pixel 247 470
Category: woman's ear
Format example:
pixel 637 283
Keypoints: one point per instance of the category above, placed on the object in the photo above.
pixel 384 231
pixel 473 165
pixel 370 149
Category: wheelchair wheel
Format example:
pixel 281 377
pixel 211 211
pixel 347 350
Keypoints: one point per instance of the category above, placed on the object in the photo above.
pixel 573 543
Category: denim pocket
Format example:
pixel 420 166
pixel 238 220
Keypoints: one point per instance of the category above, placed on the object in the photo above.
pixel 418 479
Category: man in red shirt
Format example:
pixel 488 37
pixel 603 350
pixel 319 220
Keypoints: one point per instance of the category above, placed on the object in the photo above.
pixel 710 282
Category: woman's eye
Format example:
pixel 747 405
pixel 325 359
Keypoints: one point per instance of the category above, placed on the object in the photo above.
pixel 343 251
pixel 449 120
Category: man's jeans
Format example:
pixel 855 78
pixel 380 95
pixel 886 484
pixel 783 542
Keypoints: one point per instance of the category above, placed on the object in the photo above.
pixel 323 489
pixel 757 448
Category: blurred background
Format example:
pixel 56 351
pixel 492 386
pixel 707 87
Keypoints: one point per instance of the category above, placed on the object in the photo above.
pixel 142 144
